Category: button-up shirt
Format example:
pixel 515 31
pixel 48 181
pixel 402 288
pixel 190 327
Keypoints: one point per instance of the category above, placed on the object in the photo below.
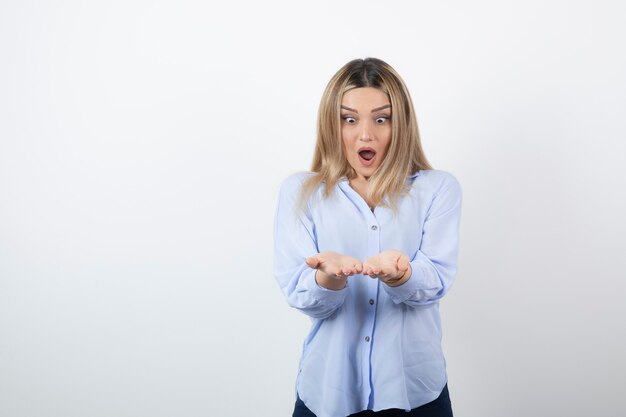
pixel 371 346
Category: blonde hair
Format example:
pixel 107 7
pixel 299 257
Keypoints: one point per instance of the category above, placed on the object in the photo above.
pixel 404 155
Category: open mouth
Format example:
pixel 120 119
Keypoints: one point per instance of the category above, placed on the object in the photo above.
pixel 367 156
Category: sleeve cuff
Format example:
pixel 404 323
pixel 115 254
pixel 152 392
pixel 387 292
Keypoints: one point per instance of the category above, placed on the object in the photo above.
pixel 323 295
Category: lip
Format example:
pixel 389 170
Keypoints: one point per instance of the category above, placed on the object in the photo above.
pixel 366 148
pixel 365 162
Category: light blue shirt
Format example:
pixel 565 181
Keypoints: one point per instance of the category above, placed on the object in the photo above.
pixel 371 346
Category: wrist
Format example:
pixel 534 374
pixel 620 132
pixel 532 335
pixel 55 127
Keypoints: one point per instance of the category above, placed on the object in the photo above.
pixel 330 282
pixel 404 278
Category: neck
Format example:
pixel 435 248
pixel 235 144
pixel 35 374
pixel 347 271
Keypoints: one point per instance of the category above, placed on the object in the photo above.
pixel 360 184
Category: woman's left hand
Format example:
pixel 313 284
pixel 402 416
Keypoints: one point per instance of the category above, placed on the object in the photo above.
pixel 391 267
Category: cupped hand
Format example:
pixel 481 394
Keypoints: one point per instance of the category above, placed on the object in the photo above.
pixel 335 264
pixel 391 267
pixel 333 269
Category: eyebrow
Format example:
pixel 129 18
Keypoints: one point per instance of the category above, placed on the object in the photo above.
pixel 373 110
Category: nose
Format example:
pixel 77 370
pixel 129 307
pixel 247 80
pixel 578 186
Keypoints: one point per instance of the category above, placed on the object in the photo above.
pixel 365 133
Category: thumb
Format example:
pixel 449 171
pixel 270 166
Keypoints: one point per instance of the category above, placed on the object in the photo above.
pixel 312 261
pixel 403 263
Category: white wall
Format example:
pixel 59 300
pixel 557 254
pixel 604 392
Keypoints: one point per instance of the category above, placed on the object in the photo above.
pixel 141 148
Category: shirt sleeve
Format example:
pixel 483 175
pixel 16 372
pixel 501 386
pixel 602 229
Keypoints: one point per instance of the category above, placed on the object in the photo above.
pixel 294 241
pixel 434 265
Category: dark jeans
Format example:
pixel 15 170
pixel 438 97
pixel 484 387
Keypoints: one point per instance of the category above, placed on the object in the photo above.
pixel 440 407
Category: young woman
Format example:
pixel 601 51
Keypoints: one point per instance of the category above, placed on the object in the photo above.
pixel 366 245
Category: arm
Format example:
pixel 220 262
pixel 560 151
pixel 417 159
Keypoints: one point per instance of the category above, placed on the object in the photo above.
pixel 433 268
pixel 295 241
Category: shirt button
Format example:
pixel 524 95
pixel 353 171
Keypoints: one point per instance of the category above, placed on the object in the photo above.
pixel 371 302
pixel 367 338
pixel 374 227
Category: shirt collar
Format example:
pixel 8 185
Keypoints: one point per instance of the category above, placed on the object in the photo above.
pixel 416 174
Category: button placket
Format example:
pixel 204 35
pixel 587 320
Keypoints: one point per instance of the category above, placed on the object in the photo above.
pixel 373 247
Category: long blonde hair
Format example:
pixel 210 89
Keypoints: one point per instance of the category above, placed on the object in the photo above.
pixel 404 155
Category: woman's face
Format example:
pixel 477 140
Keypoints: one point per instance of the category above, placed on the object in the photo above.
pixel 365 128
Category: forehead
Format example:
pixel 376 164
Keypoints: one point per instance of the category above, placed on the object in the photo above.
pixel 364 98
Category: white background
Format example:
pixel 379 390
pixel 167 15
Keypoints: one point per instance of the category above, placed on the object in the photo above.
pixel 141 149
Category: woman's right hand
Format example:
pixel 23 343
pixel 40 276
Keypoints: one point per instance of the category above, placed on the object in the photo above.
pixel 333 269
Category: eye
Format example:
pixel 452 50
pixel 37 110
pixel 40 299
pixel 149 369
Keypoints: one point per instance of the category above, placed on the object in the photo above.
pixel 382 119
pixel 349 119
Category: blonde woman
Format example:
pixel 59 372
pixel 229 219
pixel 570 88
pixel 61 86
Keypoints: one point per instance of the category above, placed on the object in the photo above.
pixel 366 245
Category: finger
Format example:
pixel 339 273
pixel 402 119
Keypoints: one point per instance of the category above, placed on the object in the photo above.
pixel 337 271
pixel 375 273
pixel 343 272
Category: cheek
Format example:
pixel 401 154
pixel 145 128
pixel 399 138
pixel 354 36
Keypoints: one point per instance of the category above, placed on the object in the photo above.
pixel 344 143
pixel 385 136
pixel 345 134
pixel 346 139
pixel 346 148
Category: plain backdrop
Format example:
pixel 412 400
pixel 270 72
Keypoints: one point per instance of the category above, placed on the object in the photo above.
pixel 142 144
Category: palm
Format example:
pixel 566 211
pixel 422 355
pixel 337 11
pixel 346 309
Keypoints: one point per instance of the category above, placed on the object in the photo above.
pixel 388 265
pixel 335 264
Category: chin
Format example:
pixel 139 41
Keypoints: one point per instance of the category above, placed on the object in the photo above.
pixel 367 174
